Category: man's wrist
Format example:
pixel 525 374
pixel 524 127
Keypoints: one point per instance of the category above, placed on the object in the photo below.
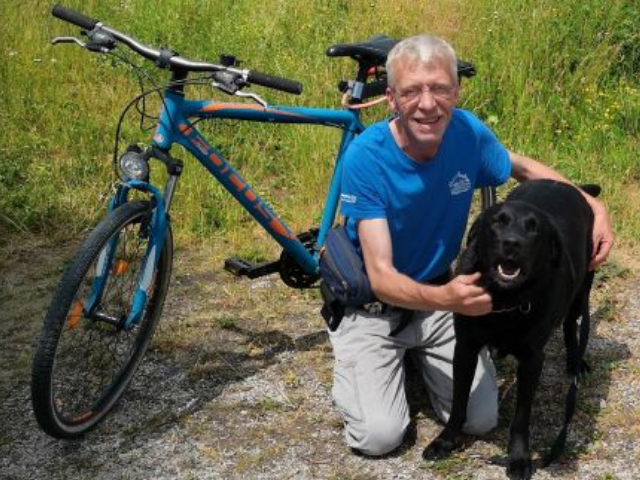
pixel 432 297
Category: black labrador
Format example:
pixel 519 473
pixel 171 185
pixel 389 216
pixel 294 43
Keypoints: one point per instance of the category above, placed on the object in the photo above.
pixel 533 251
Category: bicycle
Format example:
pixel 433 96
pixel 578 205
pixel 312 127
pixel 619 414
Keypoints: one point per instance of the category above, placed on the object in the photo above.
pixel 110 299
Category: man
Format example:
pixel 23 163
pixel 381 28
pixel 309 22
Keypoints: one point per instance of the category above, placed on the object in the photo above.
pixel 407 189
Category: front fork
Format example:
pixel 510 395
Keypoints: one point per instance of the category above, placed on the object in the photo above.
pixel 157 231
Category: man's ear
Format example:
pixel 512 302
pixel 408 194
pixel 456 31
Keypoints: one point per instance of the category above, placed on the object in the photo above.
pixel 393 104
pixel 456 97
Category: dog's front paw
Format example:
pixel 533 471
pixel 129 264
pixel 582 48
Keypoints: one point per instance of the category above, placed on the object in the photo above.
pixel 520 468
pixel 441 447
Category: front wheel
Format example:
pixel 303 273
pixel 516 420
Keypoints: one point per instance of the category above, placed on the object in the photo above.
pixel 85 357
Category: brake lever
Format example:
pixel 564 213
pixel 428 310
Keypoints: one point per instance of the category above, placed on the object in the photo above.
pixel 234 91
pixel 99 41
pixel 77 41
pixel 253 96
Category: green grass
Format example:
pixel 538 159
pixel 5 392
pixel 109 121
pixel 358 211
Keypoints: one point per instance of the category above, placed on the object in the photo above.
pixel 557 81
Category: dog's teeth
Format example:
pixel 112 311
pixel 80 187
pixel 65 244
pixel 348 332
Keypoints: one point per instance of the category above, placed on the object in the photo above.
pixel 508 276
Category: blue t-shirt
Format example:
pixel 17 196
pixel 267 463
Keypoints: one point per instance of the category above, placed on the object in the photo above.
pixel 426 204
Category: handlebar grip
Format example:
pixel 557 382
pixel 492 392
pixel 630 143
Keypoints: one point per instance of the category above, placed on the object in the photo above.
pixel 73 17
pixel 277 83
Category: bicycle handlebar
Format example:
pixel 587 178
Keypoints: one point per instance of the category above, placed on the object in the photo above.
pixel 73 17
pixel 170 60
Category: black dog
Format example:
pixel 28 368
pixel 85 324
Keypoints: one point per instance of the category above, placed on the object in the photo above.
pixel 533 252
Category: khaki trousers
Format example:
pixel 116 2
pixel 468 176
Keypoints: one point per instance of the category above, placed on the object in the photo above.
pixel 369 377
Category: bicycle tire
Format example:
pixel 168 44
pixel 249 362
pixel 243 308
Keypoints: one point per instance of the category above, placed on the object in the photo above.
pixel 83 365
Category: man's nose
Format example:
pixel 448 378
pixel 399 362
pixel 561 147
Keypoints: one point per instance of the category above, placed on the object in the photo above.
pixel 427 99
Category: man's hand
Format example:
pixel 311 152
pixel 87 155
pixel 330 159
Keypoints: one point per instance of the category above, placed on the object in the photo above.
pixel 602 235
pixel 463 295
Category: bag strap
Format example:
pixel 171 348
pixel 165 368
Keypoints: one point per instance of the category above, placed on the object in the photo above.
pixel 332 310
pixel 405 319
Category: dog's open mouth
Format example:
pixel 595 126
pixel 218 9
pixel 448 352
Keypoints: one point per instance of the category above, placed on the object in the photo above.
pixel 508 271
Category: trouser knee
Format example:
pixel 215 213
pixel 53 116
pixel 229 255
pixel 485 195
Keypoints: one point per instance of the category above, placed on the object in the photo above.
pixel 378 437
pixel 482 419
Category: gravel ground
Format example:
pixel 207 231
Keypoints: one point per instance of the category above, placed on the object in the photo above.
pixel 229 392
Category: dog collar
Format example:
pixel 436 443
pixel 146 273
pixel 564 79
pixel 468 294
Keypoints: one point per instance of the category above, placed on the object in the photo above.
pixel 524 308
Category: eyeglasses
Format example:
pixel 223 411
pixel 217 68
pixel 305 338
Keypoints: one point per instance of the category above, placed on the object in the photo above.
pixel 437 90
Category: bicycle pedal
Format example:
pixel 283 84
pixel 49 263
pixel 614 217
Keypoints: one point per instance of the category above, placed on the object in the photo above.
pixel 243 268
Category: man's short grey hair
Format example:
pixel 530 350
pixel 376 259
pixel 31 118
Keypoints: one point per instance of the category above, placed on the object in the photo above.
pixel 424 50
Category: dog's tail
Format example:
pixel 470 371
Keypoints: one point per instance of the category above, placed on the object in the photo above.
pixel 591 188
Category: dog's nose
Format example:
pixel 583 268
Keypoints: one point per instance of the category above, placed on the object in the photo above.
pixel 511 244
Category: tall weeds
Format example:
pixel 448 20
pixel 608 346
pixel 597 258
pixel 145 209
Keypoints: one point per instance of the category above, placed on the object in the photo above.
pixel 557 80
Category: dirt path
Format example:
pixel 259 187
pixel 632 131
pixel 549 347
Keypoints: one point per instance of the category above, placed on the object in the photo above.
pixel 238 386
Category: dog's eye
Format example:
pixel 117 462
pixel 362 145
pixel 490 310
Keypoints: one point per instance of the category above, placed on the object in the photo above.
pixel 501 220
pixel 531 225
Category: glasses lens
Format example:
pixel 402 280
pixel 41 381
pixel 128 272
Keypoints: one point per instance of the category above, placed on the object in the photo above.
pixel 440 91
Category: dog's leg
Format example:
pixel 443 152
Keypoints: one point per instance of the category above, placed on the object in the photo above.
pixel 529 370
pixel 585 325
pixel 576 364
pixel 465 361
pixel 570 330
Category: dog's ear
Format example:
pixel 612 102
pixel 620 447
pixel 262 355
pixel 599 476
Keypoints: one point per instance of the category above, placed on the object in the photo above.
pixel 555 248
pixel 467 263
pixel 591 188
pixel 472 236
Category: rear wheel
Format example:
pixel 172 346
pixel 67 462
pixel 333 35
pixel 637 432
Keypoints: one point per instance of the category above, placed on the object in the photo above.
pixel 84 360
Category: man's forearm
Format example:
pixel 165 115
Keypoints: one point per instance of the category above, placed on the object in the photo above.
pixel 525 168
pixel 400 290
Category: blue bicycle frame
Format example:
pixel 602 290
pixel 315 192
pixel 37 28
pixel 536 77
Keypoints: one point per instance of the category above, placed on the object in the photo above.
pixel 175 127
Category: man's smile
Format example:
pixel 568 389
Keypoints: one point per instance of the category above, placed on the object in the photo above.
pixel 427 121
pixel 429 124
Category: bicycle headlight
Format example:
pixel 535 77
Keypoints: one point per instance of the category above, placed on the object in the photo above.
pixel 134 166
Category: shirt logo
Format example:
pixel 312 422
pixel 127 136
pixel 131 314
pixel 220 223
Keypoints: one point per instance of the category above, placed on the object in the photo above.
pixel 459 184
pixel 346 198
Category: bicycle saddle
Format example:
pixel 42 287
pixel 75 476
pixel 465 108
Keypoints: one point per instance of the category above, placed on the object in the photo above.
pixel 374 50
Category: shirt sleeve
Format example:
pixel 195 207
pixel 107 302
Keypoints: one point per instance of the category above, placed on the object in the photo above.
pixel 495 166
pixel 360 195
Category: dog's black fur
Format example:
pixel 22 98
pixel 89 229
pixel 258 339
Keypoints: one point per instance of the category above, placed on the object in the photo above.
pixel 533 252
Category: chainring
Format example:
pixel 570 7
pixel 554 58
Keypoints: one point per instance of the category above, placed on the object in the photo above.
pixel 290 272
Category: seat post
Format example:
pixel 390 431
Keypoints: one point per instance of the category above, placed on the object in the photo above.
pixel 487 197
pixel 361 80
